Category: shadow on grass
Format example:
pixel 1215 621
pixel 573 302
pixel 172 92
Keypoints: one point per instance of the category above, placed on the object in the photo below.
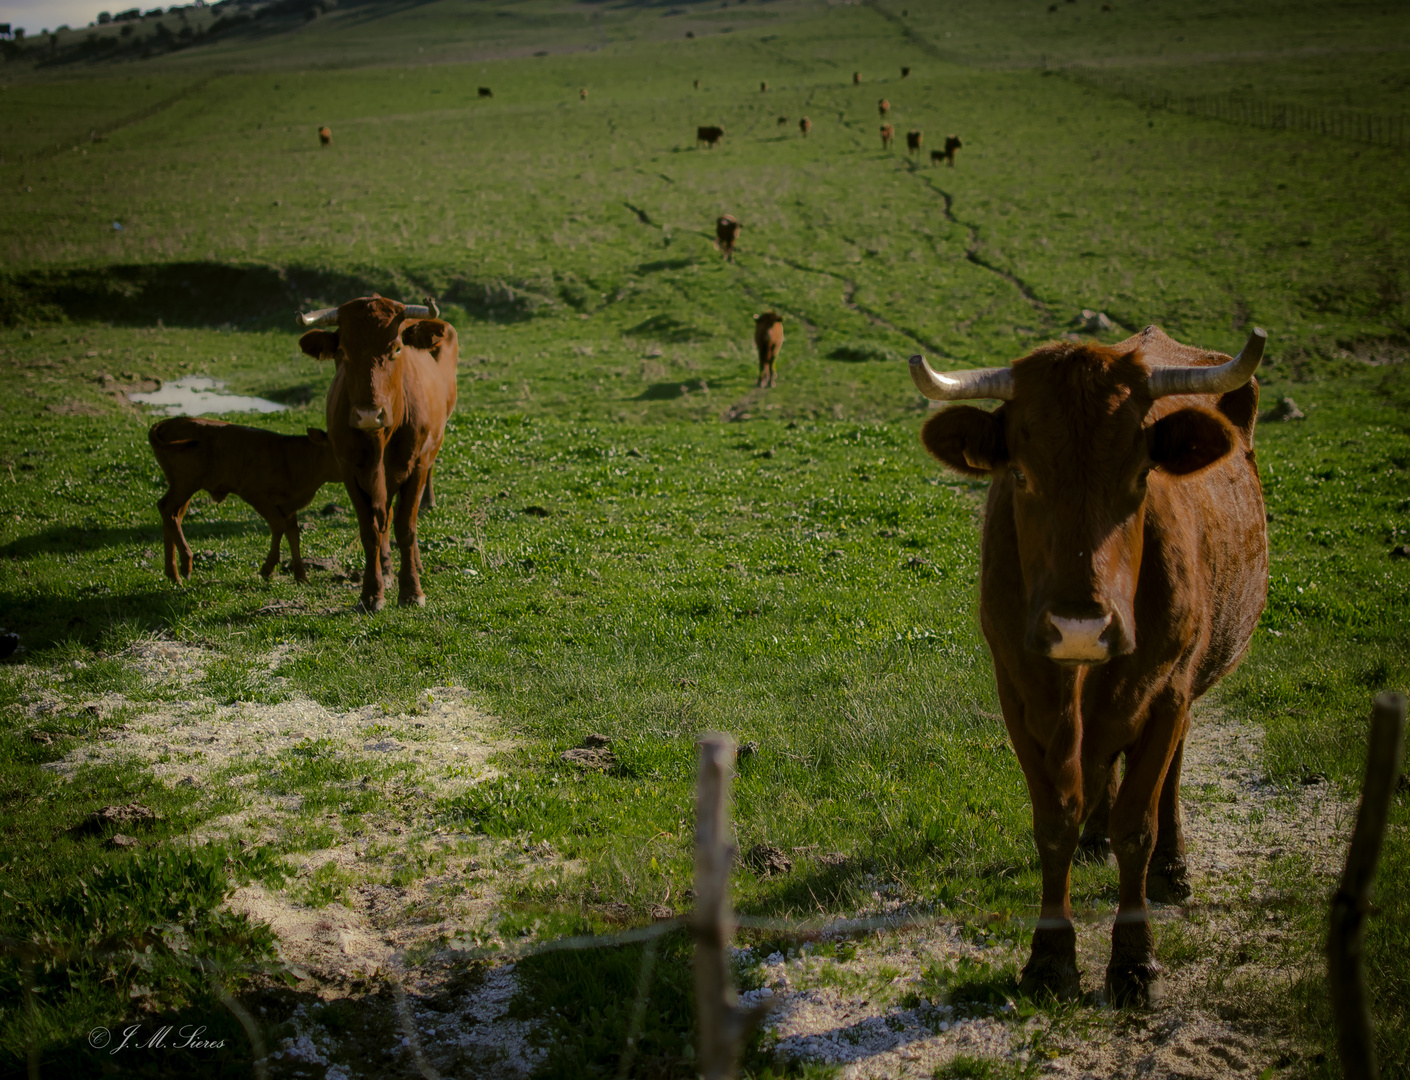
pixel 63 539
pixel 667 391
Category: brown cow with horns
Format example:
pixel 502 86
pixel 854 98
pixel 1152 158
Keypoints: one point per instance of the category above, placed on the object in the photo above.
pixel 391 395
pixel 1124 568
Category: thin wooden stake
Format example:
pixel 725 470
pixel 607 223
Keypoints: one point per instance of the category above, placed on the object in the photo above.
pixel 719 1022
pixel 1352 902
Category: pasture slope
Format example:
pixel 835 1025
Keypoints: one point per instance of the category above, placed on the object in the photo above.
pixel 365 827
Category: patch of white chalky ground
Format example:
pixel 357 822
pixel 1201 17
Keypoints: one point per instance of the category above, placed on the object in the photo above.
pixel 868 1016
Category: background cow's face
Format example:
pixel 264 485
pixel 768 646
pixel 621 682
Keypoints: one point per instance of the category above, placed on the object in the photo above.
pixel 1073 454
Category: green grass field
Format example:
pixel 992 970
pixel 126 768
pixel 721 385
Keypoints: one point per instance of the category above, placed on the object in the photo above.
pixel 787 566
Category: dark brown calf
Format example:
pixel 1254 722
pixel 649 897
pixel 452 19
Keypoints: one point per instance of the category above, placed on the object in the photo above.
pixel 805 125
pixel 709 135
pixel 727 228
pixel 913 139
pixel 768 339
pixel 887 134
pixel 1124 568
pixel 952 143
pixel 276 474
pixel 485 91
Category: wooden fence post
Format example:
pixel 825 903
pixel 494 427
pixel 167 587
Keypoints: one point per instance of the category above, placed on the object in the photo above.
pixel 721 1026
pixel 1345 977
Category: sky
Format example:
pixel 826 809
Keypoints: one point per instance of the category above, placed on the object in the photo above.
pixel 37 15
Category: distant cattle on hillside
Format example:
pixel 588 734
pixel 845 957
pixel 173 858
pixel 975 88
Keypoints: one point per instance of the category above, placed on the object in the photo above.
pixel 325 135
pixel 805 125
pixel 763 88
pixel 952 143
pixel 883 107
pixel 768 339
pixel 582 94
pixel 727 228
pixel 856 78
pixel 905 73
pixel 887 134
pixel 709 135
pixel 485 91
pixel 782 120
pixel 913 140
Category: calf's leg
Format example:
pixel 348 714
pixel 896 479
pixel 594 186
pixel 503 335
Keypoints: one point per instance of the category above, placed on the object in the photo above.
pixel 1168 878
pixel 172 506
pixel 296 560
pixel 276 524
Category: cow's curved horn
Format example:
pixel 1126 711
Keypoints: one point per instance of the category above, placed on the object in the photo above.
pixel 1219 379
pixel 956 385
pixel 428 310
pixel 326 317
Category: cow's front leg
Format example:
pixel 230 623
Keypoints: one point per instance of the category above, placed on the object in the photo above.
pixel 1054 780
pixel 409 592
pixel 172 507
pixel 296 559
pixel 372 530
pixel 1132 975
pixel 1168 879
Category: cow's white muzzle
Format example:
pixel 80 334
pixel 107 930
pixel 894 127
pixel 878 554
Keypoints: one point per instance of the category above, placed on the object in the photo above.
pixel 1080 639
pixel 369 419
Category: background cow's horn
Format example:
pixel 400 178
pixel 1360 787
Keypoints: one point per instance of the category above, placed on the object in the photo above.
pixel 326 317
pixel 428 310
pixel 955 385
pixel 1219 379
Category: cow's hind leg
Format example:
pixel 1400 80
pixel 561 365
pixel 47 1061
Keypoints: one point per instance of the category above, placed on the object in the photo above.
pixel 1094 845
pixel 172 506
pixel 1168 879
pixel 296 559
pixel 277 525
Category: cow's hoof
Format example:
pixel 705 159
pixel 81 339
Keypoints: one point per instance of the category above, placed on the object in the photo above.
pixel 1169 882
pixel 302 579
pixel 1133 985
pixel 371 606
pixel 414 600
pixel 1047 977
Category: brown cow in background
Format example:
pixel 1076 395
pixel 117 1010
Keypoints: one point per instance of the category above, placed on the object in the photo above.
pixel 392 392
pixel 913 139
pixel 709 135
pixel 883 107
pixel 768 339
pixel 1124 568
pixel 276 474
pixel 805 125
pixel 887 134
pixel 727 228
pixel 325 135
pixel 952 143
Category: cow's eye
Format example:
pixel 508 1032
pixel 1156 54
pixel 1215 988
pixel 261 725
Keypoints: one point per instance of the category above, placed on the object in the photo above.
pixel 1141 477
pixel 1019 477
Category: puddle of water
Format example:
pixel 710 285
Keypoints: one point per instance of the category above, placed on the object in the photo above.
pixel 197 394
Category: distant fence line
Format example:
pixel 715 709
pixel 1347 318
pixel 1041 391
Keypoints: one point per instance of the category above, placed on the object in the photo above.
pixel 1353 124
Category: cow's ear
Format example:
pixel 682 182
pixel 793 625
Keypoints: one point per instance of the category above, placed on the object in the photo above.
pixel 423 334
pixel 968 440
pixel 1188 440
pixel 317 436
pixel 320 344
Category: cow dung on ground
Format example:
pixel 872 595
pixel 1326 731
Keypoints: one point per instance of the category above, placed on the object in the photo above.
pixel 133 813
pixel 594 752
pixel 767 860
pixel 1286 409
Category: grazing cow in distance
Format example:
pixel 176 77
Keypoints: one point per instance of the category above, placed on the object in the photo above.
pixel 697 81
pixel 392 392
pixel 937 156
pixel 582 94
pixel 763 88
pixel 768 339
pixel 709 135
pixel 485 91
pixel 1124 568
pixel 856 78
pixel 805 125
pixel 325 135
pixel 952 143
pixel 887 134
pixel 276 474
pixel 905 73
pixel 727 228
pixel 782 120
pixel 883 107
pixel 913 139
